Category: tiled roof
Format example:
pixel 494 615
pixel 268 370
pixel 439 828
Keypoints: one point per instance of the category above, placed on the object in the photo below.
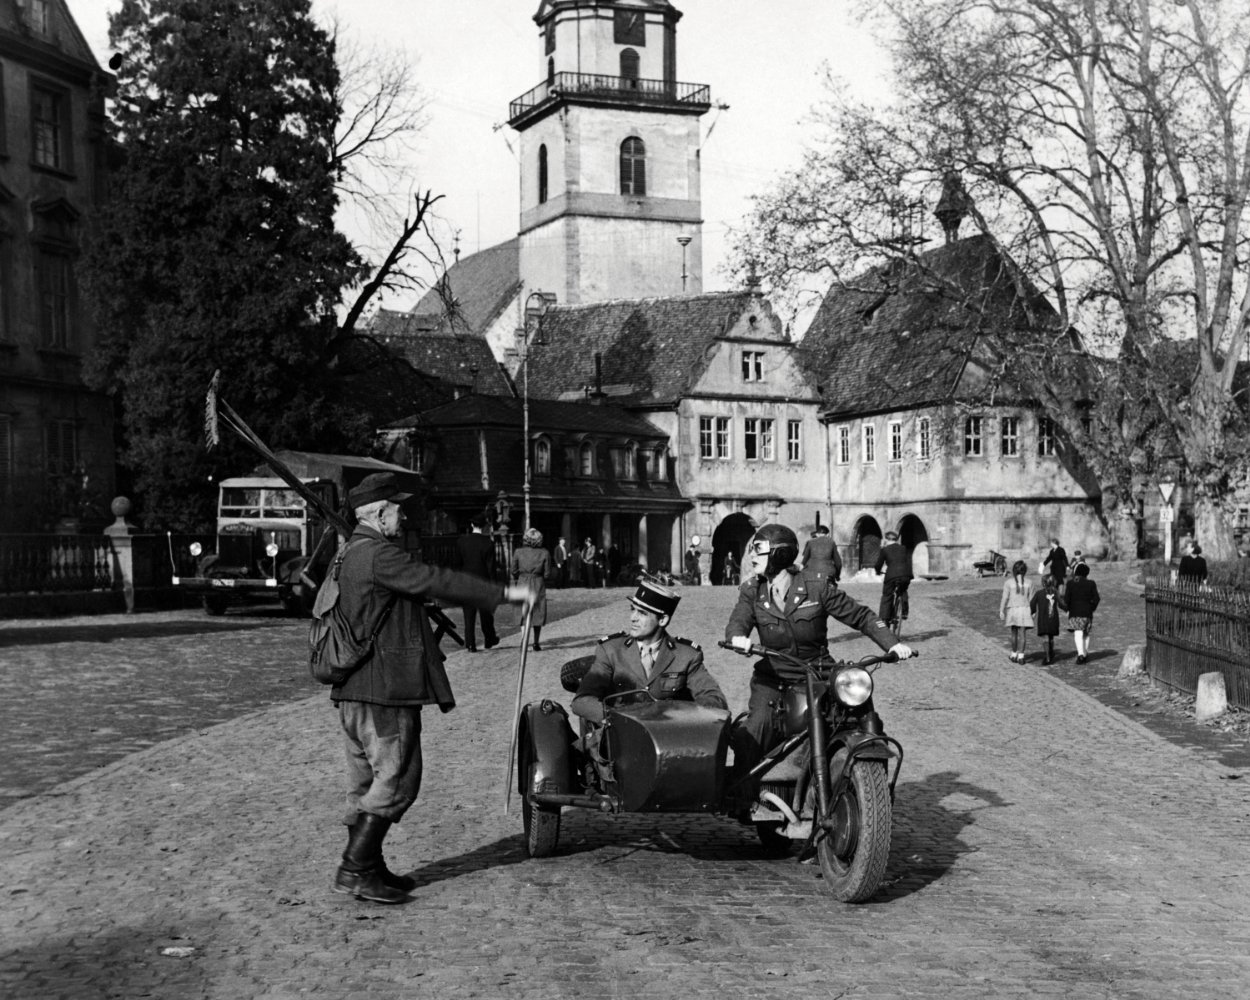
pixel 449 357
pixel 653 349
pixel 900 335
pixel 373 380
pixel 473 292
pixel 545 414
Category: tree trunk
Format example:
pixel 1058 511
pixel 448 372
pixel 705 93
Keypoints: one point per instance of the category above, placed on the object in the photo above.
pixel 1212 529
pixel 1120 521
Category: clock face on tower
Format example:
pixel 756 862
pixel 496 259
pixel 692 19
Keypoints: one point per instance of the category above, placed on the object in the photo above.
pixel 630 28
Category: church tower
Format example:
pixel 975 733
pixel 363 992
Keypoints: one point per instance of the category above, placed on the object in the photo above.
pixel 609 150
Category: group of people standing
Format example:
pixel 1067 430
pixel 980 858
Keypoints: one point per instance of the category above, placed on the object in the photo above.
pixel 1065 587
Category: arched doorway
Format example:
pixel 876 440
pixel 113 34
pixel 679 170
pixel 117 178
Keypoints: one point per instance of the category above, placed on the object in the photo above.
pixel 866 543
pixel 731 535
pixel 915 538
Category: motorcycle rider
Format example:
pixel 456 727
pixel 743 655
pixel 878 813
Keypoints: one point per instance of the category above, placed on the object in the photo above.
pixel 790 609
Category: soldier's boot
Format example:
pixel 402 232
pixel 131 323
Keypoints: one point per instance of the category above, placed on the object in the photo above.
pixel 405 882
pixel 361 872
pixel 538 631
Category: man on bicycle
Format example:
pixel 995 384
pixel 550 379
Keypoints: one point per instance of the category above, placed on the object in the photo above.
pixel 790 609
pixel 897 562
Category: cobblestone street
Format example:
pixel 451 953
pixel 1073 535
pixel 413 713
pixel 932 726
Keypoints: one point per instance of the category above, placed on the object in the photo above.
pixel 1038 846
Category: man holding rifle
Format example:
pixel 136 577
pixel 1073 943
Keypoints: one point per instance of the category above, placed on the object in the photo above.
pixel 383 588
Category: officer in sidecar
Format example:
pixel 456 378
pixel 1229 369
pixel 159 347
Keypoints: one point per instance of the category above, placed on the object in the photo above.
pixel 647 657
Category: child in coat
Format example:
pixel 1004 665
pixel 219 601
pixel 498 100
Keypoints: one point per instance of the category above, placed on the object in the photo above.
pixel 1013 609
pixel 1046 605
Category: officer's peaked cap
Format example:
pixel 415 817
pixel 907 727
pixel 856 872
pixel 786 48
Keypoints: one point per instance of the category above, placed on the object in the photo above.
pixel 655 599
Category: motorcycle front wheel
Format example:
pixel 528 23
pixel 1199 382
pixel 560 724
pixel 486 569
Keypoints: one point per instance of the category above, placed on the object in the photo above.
pixel 853 850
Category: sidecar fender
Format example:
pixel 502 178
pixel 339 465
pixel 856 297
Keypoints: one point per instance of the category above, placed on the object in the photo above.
pixel 547 738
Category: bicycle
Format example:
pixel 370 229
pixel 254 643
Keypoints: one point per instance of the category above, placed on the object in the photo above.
pixel 894 603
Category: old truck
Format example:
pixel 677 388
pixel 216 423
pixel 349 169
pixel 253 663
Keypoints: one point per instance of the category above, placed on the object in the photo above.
pixel 270 544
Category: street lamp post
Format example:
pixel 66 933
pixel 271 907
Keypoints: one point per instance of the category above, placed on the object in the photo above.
pixel 525 386
pixel 685 242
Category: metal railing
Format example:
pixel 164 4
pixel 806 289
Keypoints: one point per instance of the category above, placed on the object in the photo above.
pixel 55 563
pixel 626 89
pixel 1191 630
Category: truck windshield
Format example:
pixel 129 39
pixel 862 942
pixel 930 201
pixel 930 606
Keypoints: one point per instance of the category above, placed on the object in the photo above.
pixel 238 501
pixel 283 503
pixel 251 501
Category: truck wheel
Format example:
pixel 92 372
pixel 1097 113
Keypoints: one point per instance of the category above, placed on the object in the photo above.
pixel 215 606
pixel 542 823
pixel 854 850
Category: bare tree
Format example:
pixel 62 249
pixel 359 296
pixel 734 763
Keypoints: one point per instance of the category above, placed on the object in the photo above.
pixel 1105 145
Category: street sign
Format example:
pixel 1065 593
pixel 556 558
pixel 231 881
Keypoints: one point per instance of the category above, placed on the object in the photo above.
pixel 1167 514
pixel 1165 489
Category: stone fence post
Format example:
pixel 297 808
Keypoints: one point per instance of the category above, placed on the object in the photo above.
pixel 121 536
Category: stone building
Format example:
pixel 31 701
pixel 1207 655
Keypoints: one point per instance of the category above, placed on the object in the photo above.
pixel 56 436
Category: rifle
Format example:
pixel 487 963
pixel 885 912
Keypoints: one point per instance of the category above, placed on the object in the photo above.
pixel 217 411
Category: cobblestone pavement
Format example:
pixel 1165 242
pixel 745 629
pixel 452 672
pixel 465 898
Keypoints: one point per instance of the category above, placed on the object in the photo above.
pixel 1043 846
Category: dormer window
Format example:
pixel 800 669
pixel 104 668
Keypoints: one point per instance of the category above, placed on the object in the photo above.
pixel 40 22
pixel 542 457
pixel 659 467
pixel 586 465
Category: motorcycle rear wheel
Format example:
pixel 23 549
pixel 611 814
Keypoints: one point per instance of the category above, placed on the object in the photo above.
pixel 542 823
pixel 853 853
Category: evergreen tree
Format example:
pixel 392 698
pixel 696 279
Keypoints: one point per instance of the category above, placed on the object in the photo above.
pixel 217 248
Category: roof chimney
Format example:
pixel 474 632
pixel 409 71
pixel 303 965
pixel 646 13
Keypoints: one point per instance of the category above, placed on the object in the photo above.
pixel 596 396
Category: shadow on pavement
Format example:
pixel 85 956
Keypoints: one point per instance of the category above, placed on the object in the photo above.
pixel 927 831
pixel 125 631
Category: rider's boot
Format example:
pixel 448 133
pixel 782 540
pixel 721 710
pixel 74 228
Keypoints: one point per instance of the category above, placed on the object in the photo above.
pixel 405 882
pixel 361 872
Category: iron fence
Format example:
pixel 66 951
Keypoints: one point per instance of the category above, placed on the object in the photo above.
pixel 1192 630
pixel 55 563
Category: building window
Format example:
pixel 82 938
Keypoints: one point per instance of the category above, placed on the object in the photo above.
pixel 724 438
pixel 1010 437
pixel 39 20
pixel 1045 436
pixel 542 174
pixel 844 446
pixel 659 466
pixel 633 166
pixel 794 440
pixel 973 445
pixel 752 366
pixel 542 457
pixel 758 440
pixel 549 37
pixel 869 441
pixel 705 437
pixel 629 65
pixel 587 459
pixel 896 440
pixel 924 439
pixel 624 462
pixel 6 456
pixel 61 448
pixel 53 281
pixel 1012 536
pixel 48 120
pixel 551 72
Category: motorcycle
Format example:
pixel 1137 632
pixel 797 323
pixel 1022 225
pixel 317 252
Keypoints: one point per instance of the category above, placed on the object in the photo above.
pixel 828 785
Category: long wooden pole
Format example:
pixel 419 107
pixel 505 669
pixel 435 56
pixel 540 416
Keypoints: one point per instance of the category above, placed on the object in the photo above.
pixel 516 711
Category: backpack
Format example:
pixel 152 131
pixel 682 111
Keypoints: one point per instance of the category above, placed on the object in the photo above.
pixel 334 653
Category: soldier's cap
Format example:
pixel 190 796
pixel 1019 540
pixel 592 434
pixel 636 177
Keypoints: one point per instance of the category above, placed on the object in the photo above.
pixel 653 598
pixel 374 487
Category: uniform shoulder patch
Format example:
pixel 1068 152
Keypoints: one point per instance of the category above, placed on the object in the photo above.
pixel 614 635
pixel 687 642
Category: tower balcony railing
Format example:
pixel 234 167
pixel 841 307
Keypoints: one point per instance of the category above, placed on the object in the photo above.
pixel 613 89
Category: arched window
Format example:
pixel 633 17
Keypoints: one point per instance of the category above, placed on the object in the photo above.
pixel 633 166
pixel 631 460
pixel 542 457
pixel 551 72
pixel 542 174
pixel 587 459
pixel 629 66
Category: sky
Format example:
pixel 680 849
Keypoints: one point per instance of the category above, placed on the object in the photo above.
pixel 763 60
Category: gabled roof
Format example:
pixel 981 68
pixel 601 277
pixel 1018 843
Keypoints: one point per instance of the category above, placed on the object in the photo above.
pixel 545 415
pixel 653 350
pixel 460 360
pixel 63 34
pixel 372 380
pixel 473 292
pixel 901 335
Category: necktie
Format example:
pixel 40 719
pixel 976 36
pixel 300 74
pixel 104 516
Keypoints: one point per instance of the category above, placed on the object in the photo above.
pixel 779 590
pixel 648 660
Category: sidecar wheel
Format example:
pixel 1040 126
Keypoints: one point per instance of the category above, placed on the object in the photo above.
pixel 542 823
pixel 854 852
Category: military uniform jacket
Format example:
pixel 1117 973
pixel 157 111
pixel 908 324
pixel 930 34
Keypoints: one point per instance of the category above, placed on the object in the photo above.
pixel 800 626
pixel 678 672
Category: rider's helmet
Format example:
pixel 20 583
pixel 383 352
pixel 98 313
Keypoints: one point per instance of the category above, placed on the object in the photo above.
pixel 771 549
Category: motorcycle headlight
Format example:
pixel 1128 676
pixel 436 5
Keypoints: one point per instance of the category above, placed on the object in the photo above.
pixel 854 686
pixel 271 549
pixel 196 548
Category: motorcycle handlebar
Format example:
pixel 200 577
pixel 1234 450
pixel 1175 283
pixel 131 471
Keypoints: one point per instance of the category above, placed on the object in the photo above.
pixel 757 650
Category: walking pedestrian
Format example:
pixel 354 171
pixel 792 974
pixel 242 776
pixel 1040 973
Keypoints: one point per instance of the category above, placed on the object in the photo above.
pixel 729 575
pixel 1082 598
pixel 590 563
pixel 1056 563
pixel 1193 568
pixel 561 558
pixel 691 562
pixel 1014 608
pixel 383 589
pixel 529 568
pixel 1046 605
pixel 820 554
pixel 475 554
